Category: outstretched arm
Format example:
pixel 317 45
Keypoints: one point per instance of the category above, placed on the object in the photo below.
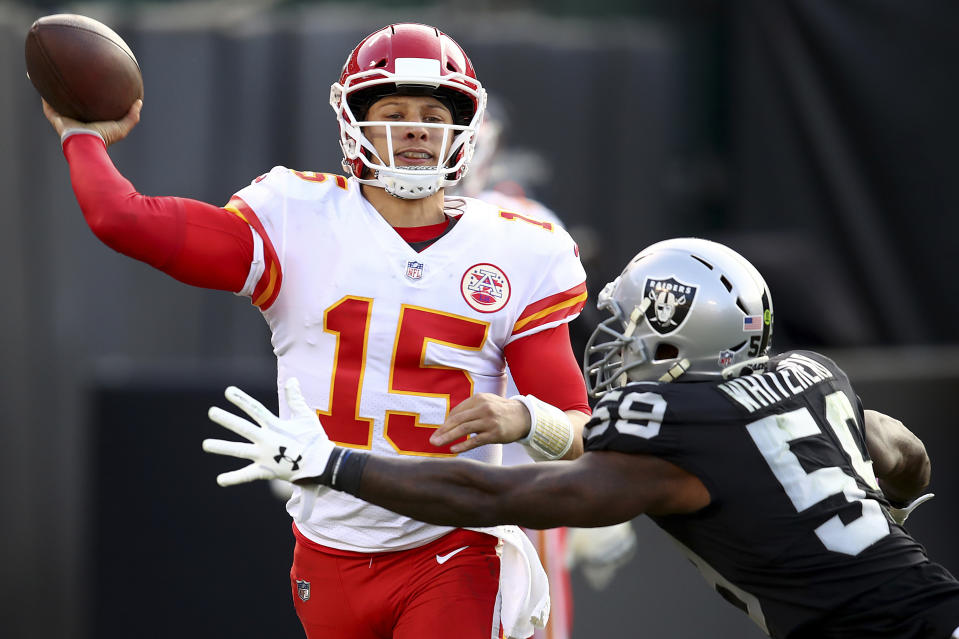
pixel 192 241
pixel 598 489
pixel 899 457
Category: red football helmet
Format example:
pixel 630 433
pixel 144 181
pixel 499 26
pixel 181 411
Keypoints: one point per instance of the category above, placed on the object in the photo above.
pixel 408 59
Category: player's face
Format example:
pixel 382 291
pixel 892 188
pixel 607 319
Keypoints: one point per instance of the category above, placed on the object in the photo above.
pixel 412 143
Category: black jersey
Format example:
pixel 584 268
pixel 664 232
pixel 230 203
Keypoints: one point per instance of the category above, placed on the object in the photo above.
pixel 797 524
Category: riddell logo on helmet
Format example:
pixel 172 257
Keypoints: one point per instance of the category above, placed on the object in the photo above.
pixel 670 303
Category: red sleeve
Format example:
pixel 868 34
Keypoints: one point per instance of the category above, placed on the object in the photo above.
pixel 543 364
pixel 192 241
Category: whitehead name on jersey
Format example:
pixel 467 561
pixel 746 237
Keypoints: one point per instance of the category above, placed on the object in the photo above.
pixel 385 340
pixel 797 524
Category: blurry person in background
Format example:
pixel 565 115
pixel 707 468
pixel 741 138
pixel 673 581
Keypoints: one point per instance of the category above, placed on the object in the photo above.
pixel 504 176
pixel 765 470
pixel 515 178
pixel 398 308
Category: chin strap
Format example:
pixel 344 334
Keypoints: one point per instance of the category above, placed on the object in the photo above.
pixel 409 187
pixel 675 371
pixel 639 311
pixel 638 314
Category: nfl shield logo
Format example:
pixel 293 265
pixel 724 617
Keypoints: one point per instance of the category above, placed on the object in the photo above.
pixel 303 589
pixel 725 358
pixel 414 270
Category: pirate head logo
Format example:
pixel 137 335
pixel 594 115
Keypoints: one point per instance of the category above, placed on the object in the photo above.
pixel 670 301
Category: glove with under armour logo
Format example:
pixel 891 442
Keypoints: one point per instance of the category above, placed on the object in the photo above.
pixel 286 449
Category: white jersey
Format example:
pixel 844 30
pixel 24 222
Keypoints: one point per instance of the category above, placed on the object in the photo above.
pixel 385 340
pixel 514 454
pixel 550 544
pixel 523 205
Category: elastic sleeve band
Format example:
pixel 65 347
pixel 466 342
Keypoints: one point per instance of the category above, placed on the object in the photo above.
pixel 75 131
pixel 550 432
pixel 257 266
pixel 343 472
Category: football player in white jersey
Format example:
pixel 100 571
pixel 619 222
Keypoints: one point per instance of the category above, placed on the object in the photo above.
pixel 396 307
pixel 766 471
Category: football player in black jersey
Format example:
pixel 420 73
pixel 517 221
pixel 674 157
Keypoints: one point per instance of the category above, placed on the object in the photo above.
pixel 786 494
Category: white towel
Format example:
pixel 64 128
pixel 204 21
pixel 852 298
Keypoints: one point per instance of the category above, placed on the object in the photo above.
pixel 523 585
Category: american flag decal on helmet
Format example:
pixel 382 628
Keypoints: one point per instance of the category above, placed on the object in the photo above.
pixel 752 323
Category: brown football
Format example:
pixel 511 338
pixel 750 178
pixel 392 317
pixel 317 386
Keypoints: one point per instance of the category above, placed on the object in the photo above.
pixel 82 68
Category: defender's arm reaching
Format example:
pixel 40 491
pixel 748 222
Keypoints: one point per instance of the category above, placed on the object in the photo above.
pixel 587 492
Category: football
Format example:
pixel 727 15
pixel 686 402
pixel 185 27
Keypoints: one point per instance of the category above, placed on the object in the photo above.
pixel 82 68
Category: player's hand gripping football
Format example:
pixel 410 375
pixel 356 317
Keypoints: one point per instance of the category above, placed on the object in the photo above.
pixel 111 132
pixel 285 449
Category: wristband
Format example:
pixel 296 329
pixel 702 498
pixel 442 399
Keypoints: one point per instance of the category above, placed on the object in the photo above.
pixel 77 131
pixel 550 431
pixel 343 472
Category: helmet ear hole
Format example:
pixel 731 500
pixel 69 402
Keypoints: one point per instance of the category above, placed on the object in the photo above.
pixel 665 351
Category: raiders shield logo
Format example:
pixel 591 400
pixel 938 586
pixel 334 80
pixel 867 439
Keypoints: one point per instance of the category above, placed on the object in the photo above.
pixel 303 589
pixel 670 301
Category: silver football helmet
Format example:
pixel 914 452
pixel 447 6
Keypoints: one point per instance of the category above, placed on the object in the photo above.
pixel 684 306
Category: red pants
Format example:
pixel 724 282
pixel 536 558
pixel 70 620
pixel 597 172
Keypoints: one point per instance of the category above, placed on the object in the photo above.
pixel 407 594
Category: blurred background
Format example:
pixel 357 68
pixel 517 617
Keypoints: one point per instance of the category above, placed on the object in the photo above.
pixel 816 137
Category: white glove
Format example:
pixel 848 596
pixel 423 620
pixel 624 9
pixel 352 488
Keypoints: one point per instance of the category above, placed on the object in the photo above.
pixel 900 515
pixel 286 449
pixel 600 551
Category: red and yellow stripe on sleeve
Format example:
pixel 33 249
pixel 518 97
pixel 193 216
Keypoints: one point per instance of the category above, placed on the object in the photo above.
pixel 268 286
pixel 551 309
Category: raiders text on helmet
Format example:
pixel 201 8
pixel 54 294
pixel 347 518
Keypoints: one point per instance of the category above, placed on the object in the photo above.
pixel 408 59
pixel 686 307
